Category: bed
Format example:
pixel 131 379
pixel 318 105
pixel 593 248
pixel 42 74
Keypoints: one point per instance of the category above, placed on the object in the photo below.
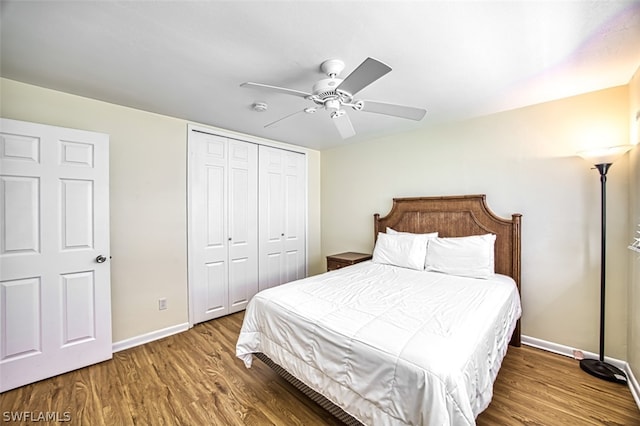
pixel 392 341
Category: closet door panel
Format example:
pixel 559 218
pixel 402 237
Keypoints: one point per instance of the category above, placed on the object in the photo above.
pixel 282 216
pixel 271 227
pixel 243 224
pixel 214 300
pixel 215 297
pixel 208 268
pixel 271 270
pixel 295 223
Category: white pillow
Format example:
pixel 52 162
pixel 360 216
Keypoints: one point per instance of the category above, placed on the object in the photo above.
pixel 465 256
pixel 407 251
pixel 394 232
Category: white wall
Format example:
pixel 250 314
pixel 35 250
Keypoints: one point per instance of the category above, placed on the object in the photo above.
pixel 524 160
pixel 148 159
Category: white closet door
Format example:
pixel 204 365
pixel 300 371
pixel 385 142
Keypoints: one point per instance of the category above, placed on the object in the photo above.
pixel 223 245
pixel 243 224
pixel 55 295
pixel 282 216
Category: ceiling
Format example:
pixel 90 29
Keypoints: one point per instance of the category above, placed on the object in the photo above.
pixel 187 59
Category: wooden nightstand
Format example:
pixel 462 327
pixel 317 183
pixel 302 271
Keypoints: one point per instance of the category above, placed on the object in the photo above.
pixel 337 261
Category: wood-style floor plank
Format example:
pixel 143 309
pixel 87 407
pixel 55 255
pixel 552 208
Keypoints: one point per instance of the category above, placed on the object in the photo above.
pixel 194 378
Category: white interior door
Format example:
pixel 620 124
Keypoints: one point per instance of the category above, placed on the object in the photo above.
pixel 55 296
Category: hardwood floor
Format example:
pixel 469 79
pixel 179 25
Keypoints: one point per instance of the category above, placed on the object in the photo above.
pixel 194 378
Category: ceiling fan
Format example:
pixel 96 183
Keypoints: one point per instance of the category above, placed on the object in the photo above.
pixel 333 94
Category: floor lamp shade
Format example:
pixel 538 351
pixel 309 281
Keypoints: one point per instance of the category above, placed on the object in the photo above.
pixel 602 159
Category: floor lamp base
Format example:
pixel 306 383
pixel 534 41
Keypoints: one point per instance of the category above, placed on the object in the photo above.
pixel 603 370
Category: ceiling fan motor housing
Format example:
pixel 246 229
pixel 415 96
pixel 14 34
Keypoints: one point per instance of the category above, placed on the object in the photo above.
pixel 326 87
pixel 325 90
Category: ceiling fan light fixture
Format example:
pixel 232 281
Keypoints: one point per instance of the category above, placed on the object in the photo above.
pixel 332 104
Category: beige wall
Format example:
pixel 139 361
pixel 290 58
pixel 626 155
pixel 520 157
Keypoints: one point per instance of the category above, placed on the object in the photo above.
pixel 524 160
pixel 148 201
pixel 633 351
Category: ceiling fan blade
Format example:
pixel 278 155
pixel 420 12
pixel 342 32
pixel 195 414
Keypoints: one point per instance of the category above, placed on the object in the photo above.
pixel 275 123
pixel 344 126
pixel 276 89
pixel 392 109
pixel 367 72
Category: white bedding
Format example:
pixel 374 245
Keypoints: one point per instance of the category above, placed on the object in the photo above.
pixel 389 345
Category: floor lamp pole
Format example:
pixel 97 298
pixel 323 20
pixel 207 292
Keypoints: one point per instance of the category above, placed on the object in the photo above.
pixel 603 168
pixel 598 367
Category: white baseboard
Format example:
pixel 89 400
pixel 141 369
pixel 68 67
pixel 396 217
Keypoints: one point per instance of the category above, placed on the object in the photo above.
pixel 633 385
pixel 148 337
pixel 568 351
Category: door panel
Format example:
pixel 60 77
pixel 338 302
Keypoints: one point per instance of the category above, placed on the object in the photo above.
pixel 216 294
pixel 245 281
pixel 78 294
pixel 21 222
pixel 22 332
pixel 77 213
pixel 55 299
pixel 215 197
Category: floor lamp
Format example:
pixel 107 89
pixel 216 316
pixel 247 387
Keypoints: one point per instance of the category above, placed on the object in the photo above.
pixel 602 159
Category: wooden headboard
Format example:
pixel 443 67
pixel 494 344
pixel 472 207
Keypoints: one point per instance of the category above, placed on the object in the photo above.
pixel 459 216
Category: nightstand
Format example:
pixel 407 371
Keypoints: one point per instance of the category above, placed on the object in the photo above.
pixel 337 261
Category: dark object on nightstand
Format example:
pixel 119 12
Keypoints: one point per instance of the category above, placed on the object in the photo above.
pixel 337 261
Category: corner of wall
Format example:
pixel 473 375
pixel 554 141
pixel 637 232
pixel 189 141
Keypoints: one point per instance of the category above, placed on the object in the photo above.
pixel 633 331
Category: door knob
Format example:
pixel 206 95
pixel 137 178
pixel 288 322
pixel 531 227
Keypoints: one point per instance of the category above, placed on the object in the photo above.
pixel 101 259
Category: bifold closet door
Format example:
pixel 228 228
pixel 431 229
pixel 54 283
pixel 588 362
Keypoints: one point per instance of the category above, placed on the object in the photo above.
pixel 282 176
pixel 223 257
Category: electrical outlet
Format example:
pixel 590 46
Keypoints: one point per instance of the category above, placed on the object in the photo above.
pixel 162 304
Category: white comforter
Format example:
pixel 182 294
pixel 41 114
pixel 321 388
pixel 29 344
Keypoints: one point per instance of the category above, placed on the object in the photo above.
pixel 391 346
